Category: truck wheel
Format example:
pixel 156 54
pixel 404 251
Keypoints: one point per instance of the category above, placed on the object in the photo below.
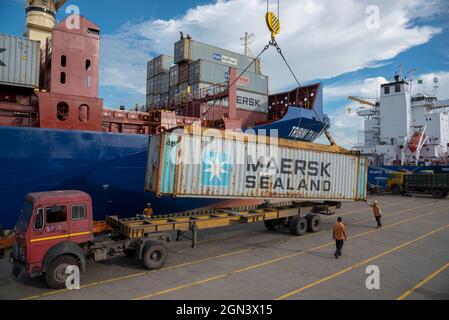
pixel 55 275
pixel 154 255
pixel 298 226
pixel 437 194
pixel 272 225
pixel 396 190
pixel 314 223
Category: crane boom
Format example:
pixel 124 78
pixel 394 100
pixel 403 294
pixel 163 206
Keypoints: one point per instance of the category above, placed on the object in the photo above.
pixel 362 101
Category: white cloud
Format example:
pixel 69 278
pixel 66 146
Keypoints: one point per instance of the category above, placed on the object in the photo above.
pixel 369 88
pixel 427 85
pixel 321 39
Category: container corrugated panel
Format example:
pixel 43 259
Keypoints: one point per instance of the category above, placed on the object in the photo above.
pixel 19 61
pixel 246 100
pixel 202 166
pixel 190 50
pixel 174 75
pixel 162 64
pixel 212 72
pixel 150 69
pixel 150 88
pixel 183 73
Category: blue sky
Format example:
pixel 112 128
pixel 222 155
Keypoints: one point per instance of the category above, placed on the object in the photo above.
pixel 324 40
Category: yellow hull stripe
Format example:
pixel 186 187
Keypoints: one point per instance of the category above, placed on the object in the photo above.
pixel 61 237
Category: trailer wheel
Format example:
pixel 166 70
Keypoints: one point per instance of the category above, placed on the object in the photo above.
pixel 154 255
pixel 314 223
pixel 437 194
pixel 272 225
pixel 298 226
pixel 55 275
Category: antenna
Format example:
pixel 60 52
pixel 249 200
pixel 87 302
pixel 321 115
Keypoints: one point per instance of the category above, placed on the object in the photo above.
pixel 436 85
pixel 247 41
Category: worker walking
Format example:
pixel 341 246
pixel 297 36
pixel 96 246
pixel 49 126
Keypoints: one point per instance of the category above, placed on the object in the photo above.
pixel 339 236
pixel 377 213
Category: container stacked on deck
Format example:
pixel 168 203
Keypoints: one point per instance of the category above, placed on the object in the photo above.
pixel 199 66
pixel 158 77
pixel 19 62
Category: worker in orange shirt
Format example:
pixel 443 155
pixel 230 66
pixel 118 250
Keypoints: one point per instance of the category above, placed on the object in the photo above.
pixel 339 236
pixel 377 213
pixel 148 212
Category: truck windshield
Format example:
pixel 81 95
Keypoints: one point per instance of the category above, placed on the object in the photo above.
pixel 25 216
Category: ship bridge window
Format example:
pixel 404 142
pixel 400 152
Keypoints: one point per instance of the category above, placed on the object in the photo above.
pixel 84 113
pixel 387 90
pixel 63 77
pixel 62 111
pixel 63 61
pixel 397 88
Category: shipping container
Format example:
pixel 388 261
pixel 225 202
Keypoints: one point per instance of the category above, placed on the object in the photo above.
pixel 174 75
pixel 240 166
pixel 161 83
pixel 246 100
pixel 162 64
pixel 150 101
pixel 174 90
pixel 183 73
pixel 150 69
pixel 150 88
pixel 212 72
pixel 189 50
pixel 19 61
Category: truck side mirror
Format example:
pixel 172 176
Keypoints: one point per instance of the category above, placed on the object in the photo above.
pixel 39 220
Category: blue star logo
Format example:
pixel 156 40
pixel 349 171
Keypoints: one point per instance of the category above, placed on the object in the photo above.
pixel 216 169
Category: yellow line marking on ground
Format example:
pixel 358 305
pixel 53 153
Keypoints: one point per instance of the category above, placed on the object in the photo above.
pixel 367 209
pixel 390 215
pixel 135 275
pixel 423 282
pixel 251 267
pixel 313 284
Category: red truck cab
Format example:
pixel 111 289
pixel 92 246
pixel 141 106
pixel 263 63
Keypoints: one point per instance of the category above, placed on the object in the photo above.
pixel 52 232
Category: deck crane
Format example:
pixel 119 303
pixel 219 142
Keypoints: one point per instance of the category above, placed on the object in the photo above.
pixel 41 18
pixel 362 101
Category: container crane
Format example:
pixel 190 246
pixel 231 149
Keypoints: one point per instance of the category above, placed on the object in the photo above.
pixel 41 18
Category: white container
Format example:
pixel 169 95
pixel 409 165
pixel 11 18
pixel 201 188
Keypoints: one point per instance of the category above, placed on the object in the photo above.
pixel 240 166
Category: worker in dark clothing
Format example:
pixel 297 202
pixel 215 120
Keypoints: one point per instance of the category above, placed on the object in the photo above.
pixel 339 235
pixel 377 213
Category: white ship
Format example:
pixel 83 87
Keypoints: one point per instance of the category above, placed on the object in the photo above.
pixel 405 129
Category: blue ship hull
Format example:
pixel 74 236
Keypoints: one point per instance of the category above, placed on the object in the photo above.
pixel 110 167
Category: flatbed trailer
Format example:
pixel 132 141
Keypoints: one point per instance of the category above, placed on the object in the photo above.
pixel 45 247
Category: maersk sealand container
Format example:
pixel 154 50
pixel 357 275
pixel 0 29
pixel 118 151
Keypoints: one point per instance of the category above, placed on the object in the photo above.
pixel 19 61
pixel 239 166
